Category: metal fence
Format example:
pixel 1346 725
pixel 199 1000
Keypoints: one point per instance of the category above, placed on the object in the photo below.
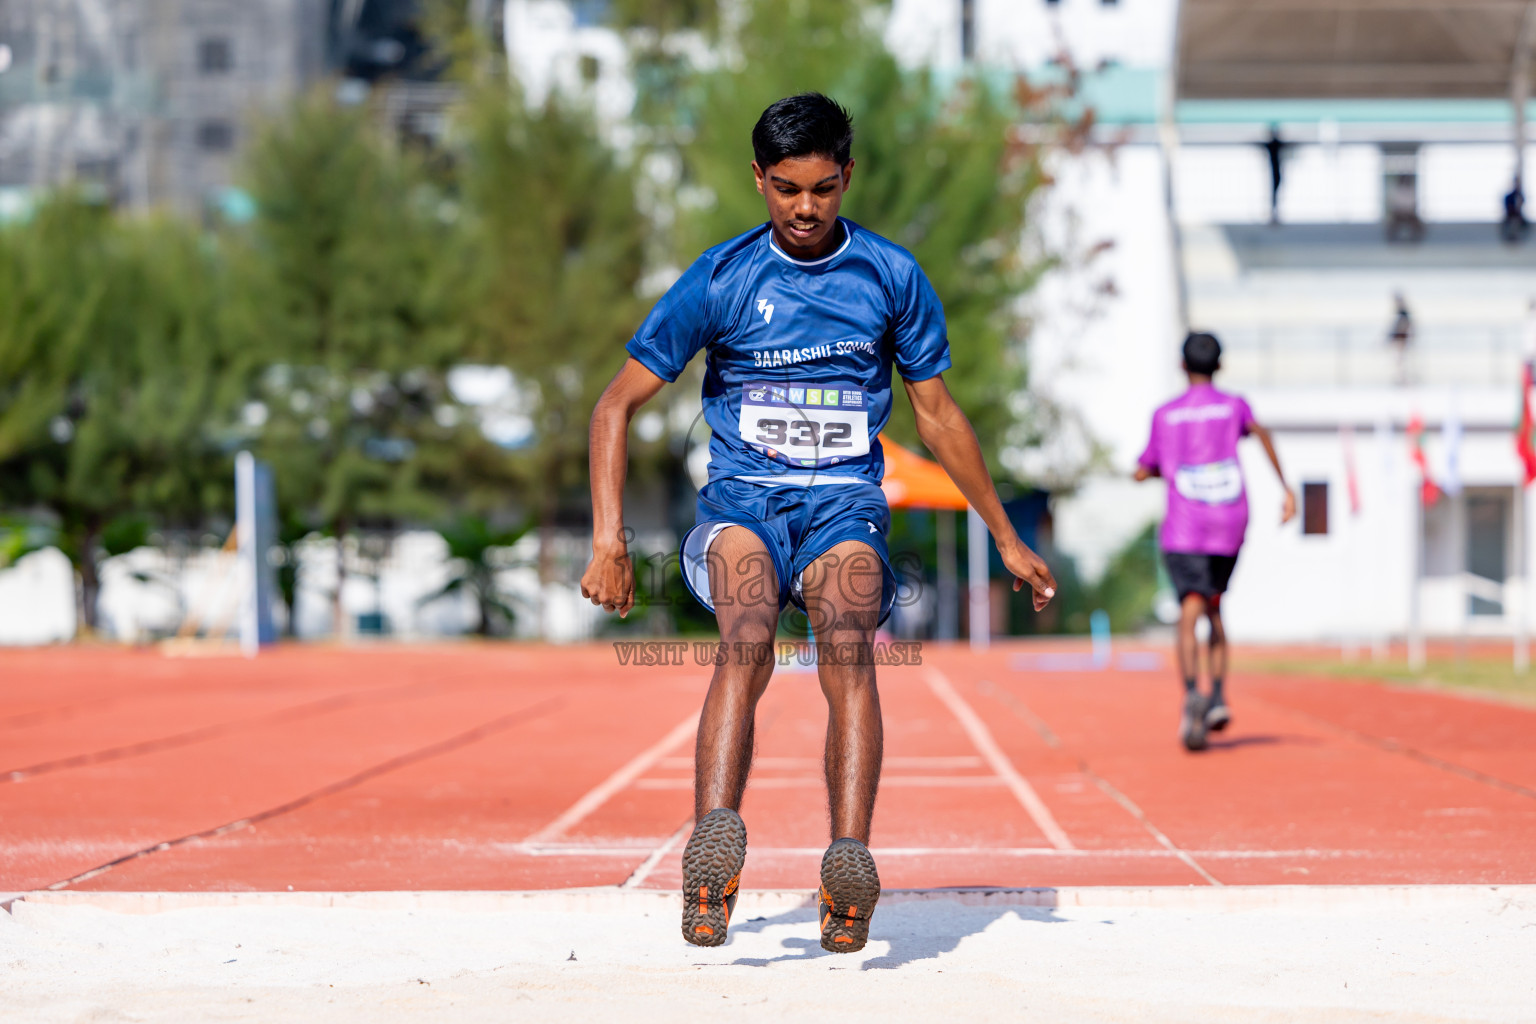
pixel 1475 356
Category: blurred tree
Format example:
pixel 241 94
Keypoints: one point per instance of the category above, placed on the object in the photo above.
pixel 941 169
pixel 554 251
pixel 478 552
pixel 348 322
pixel 114 377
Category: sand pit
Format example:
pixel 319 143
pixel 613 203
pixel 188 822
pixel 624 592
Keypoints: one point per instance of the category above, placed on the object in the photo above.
pixel 1260 954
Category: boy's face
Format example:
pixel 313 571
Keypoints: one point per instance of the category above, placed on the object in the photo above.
pixel 804 194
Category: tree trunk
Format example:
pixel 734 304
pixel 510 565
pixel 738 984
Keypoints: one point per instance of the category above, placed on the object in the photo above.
pixel 90 579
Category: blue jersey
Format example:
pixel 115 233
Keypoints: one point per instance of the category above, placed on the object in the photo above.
pixel 798 380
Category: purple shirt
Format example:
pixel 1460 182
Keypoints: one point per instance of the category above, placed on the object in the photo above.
pixel 1194 447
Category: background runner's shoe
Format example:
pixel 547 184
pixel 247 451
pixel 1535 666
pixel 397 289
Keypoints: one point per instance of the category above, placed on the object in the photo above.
pixel 1217 716
pixel 712 863
pixel 1192 725
pixel 850 887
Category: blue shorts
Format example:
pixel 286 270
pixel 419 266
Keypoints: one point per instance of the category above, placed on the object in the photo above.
pixel 796 524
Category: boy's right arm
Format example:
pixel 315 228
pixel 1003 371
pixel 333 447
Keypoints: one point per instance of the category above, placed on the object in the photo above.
pixel 1288 505
pixel 610 577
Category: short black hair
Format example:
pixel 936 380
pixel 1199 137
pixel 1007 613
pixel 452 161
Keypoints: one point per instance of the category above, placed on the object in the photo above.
pixel 809 124
pixel 1202 353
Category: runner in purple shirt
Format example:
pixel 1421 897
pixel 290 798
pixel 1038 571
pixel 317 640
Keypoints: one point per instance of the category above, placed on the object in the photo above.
pixel 1194 447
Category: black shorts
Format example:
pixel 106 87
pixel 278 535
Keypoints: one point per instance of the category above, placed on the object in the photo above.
pixel 1206 575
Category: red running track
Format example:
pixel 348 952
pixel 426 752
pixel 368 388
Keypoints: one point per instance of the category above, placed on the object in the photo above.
pixel 524 767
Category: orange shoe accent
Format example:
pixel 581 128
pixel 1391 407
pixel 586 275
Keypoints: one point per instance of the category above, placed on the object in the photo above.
pixel 733 884
pixel 704 929
pixel 842 938
pixel 852 911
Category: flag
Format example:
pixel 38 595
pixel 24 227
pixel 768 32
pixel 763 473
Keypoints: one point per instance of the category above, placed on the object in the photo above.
pixel 1429 493
pixel 1525 443
pixel 1450 433
pixel 1351 478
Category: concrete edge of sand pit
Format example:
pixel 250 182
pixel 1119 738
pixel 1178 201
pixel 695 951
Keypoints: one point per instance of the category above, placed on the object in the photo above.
pixel 616 900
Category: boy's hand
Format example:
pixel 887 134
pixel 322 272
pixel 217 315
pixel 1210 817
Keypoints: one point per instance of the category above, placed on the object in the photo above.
pixel 610 577
pixel 1288 507
pixel 1029 568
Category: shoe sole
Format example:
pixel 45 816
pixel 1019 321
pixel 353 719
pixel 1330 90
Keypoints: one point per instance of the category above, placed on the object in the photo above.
pixel 712 863
pixel 850 888
pixel 1217 719
pixel 1192 727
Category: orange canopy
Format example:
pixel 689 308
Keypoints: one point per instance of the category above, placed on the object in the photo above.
pixel 912 481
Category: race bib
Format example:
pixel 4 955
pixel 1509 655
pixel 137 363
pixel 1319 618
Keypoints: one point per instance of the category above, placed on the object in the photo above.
pixel 1215 483
pixel 803 425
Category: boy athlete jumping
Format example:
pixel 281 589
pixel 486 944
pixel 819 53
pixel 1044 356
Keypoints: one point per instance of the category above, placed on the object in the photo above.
pixel 802 320
pixel 1194 447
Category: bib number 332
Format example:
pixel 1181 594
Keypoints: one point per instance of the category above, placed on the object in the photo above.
pixel 805 426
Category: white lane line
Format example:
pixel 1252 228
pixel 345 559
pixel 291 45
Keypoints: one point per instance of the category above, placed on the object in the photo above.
pixel 817 782
pixel 1155 832
pixel 605 790
pixel 986 746
pixel 649 864
pixel 1126 803
pixel 575 850
pixel 803 763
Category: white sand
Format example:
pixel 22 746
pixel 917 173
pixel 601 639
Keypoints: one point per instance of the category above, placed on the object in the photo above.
pixel 1302 953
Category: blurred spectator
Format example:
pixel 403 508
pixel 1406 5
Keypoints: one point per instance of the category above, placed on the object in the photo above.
pixel 1400 335
pixel 1275 149
pixel 1514 225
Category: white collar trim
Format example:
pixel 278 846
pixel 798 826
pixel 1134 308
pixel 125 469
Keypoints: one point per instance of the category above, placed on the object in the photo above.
pixel 847 241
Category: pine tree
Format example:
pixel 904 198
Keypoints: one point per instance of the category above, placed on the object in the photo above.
pixel 115 378
pixel 348 324
pixel 554 251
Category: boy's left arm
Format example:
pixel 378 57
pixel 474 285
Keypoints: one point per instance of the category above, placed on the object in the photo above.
pixel 948 434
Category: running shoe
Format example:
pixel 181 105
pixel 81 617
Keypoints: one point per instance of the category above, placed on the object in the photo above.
pixel 850 887
pixel 1192 725
pixel 712 863
pixel 1217 715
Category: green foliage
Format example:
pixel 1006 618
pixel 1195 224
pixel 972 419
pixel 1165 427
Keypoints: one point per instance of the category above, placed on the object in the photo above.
pixel 1125 591
pixel 113 374
pixel 665 16
pixel 478 551
pixel 938 169
pixel 347 313
pixel 20 537
pixel 553 250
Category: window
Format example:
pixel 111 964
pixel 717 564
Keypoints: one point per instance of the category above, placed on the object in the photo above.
pixel 1314 509
pixel 215 56
pixel 216 136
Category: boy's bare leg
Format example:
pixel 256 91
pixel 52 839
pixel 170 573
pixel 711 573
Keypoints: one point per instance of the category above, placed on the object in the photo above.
pixel 1217 642
pixel 746 596
pixel 1190 610
pixel 842 592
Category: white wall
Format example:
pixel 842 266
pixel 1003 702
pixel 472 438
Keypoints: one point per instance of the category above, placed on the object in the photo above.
pixel 1106 335
pixel 37 599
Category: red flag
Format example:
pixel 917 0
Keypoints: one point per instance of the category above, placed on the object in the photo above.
pixel 1347 441
pixel 1429 493
pixel 1525 444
